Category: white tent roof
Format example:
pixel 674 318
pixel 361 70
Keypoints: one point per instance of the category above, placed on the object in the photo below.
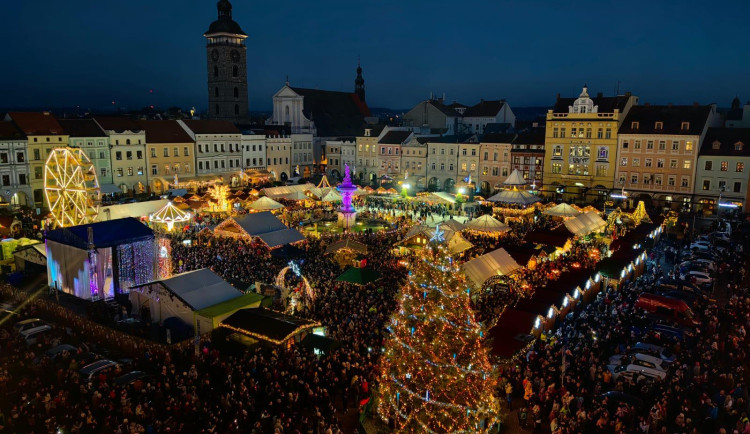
pixel 169 213
pixel 562 210
pixel 265 203
pixel 518 197
pixel 297 195
pixel 445 196
pixel 496 263
pixel 453 224
pixel 332 196
pixel 585 224
pixel 137 209
pixel 487 223
pixel 284 190
pixel 515 178
pixel 199 288
pixel 455 242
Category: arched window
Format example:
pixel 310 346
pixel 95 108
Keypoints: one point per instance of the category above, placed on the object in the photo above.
pixel 216 91
pixel 236 92
pixel 216 71
pixel 217 109
pixel 127 141
pixel 236 109
pixel 235 71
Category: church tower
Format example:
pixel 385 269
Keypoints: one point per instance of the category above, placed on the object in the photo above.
pixel 359 83
pixel 227 67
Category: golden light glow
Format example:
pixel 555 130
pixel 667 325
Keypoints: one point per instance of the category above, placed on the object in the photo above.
pixel 71 188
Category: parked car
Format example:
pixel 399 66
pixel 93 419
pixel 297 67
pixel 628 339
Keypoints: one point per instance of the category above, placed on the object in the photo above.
pixel 688 297
pixel 641 368
pixel 130 378
pixel 55 352
pixel 679 285
pixel 689 266
pixel 32 335
pixel 654 350
pixel 668 308
pixel 626 359
pixel 90 371
pixel 699 278
pixel 28 324
pixel 711 265
pixel 615 398
pixel 700 246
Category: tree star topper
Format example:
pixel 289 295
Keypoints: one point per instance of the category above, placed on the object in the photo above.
pixel 438 237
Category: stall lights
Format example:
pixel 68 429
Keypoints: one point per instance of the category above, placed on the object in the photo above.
pixel 537 323
pixel 630 267
pixel 638 260
pixel 565 301
pixel 577 293
pixel 588 285
pixel 728 205
pixel 598 277
pixel 622 273
pixel 551 313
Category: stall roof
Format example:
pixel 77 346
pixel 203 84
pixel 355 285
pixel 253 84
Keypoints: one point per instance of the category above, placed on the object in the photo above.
pixel 487 223
pixel 282 237
pixel 359 276
pixel 265 203
pixel 230 305
pixel 515 197
pixel 266 324
pixel 287 189
pixel 556 237
pixel 497 262
pixel 106 234
pixel 347 244
pixel 612 267
pixel 585 224
pixel 137 209
pixel 198 289
pixel 512 332
pixel 562 210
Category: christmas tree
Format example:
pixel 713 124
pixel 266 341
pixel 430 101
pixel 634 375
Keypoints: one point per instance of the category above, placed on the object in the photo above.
pixel 436 376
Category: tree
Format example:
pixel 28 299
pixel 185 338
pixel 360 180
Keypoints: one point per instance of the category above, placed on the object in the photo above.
pixel 436 376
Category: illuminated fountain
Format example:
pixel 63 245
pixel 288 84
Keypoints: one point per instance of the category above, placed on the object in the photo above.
pixel 347 214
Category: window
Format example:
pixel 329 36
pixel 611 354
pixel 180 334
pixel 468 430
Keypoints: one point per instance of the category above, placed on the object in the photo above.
pixel 599 133
pixel 740 167
pixel 473 152
pixel 176 152
pixel 473 167
pixel 625 145
pixel 623 177
pixel 624 161
pixel 672 164
pixel 634 179
pixel 235 71
pixel 716 145
pixel 648 162
pixel 706 184
pixel 6 179
pixel 671 181
pixel 216 71
pixel 486 156
pixel 452 151
pixel 130 171
pixel 637 144
pixel 236 92
pixel 634 125
pixel 556 168
pixel 450 167
pixel 4 158
pixel 659 126
pixel 20 158
pixel 555 132
pixel 603 153
pixel 22 177
pixel 463 167
pixel 139 155
pixel 662 145
pixel 686 164
pixel 737 187
pixel 675 145
pixel 154 170
pixel 38 172
pixel 562 132
pixel 119 171
pixel 724 166
pixel 689 146
pixel 646 179
pixel 709 165
pixel 37 157
pixel 658 180
pixel 685 182
pixel 433 166
pixel 101 155
pixel 738 146
pixel 685 126
pixel 463 152
pixel 588 132
pixel 660 163
pixel 608 134
pixel 650 145
pixel 722 185
pixel 601 170
pixel 185 151
pixel 118 154
pixel 636 162
pixel 442 166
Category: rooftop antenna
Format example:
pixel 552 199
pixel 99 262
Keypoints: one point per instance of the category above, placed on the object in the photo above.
pixel 617 88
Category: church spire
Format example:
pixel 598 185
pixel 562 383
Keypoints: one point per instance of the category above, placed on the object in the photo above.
pixel 359 83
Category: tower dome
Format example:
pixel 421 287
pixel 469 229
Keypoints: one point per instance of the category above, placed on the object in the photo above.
pixel 225 23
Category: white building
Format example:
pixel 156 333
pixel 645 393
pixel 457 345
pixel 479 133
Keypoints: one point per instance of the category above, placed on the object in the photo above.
pixel 254 151
pixel 302 155
pixel 478 117
pixel 14 167
pixel 218 149
pixel 128 142
pixel 722 172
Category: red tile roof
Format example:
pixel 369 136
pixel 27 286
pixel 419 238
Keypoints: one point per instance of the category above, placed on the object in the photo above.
pixel 8 131
pixel 118 124
pixel 36 123
pixel 164 132
pixel 211 127
pixel 81 128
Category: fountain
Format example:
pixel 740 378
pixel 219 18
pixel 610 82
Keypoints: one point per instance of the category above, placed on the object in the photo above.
pixel 347 214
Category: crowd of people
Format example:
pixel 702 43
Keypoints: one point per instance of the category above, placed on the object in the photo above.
pixel 706 388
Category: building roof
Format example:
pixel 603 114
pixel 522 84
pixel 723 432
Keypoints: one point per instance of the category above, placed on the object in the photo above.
pixel 375 130
pixel 233 304
pixel 36 123
pixel 106 234
pixel 204 126
pixel 726 138
pixel 9 131
pixel 394 137
pixel 164 132
pixel 498 138
pixel 225 23
pixel 530 138
pixel 446 110
pixel 81 128
pixel 334 113
pixel 484 109
pixel 671 117
pixel 198 289
pixel 118 124
pixel 606 104
pixel 455 105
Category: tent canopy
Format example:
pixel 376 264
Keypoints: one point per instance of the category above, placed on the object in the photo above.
pixel 515 178
pixel 265 203
pixel 496 263
pixel 359 276
pixel 332 196
pixel 453 224
pixel 245 300
pixel 562 210
pixel 267 325
pixel 515 197
pixel 263 225
pixel 585 224
pixel 106 234
pixel 198 289
pixel 284 190
pixel 487 223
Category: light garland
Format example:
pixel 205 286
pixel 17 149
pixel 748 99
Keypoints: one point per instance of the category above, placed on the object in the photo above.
pixel 269 339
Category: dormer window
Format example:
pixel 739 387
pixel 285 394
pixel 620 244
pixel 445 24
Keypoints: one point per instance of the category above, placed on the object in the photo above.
pixel 685 126
pixel 716 144
pixel 634 125
pixel 367 132
pixel 659 126
pixel 738 146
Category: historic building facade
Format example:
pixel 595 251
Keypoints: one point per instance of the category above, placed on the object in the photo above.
pixel 15 188
pixel 494 161
pixel 723 167
pixel 218 149
pixel 227 67
pixel 170 155
pixel 127 140
pixel 89 136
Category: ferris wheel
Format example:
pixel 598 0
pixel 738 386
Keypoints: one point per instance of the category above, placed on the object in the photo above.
pixel 71 187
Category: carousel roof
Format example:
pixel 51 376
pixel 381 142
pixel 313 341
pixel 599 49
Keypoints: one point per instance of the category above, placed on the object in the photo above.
pixel 169 213
pixel 265 203
pixel 515 178
pixel 513 196
pixel 487 223
pixel 562 210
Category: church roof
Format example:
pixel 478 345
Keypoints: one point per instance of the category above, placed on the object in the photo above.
pixel 334 113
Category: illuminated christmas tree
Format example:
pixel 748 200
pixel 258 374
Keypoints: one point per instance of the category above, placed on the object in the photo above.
pixel 436 376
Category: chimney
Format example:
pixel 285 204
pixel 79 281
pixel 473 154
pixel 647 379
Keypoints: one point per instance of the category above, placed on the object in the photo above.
pixel 628 94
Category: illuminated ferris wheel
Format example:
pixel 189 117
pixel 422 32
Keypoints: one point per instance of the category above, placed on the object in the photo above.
pixel 71 188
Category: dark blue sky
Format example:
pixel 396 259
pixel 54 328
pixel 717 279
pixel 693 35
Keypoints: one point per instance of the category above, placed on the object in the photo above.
pixel 88 53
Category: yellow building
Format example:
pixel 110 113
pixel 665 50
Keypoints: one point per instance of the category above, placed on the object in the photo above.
pixel 367 164
pixel 170 154
pixel 44 134
pixel 581 146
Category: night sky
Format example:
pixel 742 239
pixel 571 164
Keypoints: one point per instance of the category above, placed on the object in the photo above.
pixel 89 53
